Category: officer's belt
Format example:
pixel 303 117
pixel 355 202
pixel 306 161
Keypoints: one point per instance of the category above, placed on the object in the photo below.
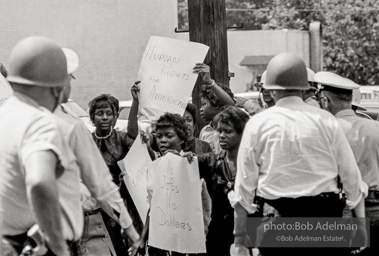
pixel 87 213
pixel 373 194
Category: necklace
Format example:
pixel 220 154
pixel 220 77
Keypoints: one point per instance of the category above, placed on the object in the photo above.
pixel 105 137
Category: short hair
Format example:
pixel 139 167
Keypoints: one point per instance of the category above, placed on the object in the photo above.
pixel 115 102
pixel 208 94
pixel 233 115
pixel 175 121
pixel 103 101
pixel 191 108
pixel 339 94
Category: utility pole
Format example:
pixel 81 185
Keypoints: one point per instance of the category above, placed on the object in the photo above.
pixel 207 25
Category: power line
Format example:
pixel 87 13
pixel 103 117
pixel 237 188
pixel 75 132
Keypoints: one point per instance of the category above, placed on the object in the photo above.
pixel 299 10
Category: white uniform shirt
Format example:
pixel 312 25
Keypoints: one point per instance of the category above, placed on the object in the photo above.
pixel 292 150
pixel 93 171
pixel 363 136
pixel 26 128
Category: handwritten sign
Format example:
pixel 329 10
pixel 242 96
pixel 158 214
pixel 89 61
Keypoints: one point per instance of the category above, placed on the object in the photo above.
pixel 166 72
pixel 134 165
pixel 176 217
pixel 5 90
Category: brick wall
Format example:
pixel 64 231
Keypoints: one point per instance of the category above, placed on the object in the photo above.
pixel 108 35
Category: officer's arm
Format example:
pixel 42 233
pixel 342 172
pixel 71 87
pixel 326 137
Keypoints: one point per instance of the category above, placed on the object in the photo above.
pixel 140 243
pixel 41 187
pixel 96 176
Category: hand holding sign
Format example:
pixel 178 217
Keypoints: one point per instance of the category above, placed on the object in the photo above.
pixel 167 76
pixel 204 70
pixel 135 90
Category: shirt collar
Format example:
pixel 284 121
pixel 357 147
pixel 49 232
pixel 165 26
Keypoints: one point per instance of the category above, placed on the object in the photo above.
pixel 209 127
pixel 289 100
pixel 26 99
pixel 345 112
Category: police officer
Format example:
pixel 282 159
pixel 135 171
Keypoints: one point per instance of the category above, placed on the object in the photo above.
pixel 363 136
pixel 291 155
pixel 265 99
pixel 39 177
pixel 309 96
pixel 98 189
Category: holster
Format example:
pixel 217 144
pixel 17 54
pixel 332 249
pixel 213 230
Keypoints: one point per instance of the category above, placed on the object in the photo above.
pixel 245 228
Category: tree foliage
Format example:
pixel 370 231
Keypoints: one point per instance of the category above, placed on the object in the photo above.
pixel 350 39
pixel 350 29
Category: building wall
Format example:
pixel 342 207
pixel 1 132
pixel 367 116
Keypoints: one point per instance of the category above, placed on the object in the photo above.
pixel 260 43
pixel 108 35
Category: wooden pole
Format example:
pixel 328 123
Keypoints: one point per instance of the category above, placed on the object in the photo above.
pixel 207 25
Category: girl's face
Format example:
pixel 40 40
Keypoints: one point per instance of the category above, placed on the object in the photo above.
pixel 167 138
pixel 104 119
pixel 229 138
pixel 207 111
pixel 189 122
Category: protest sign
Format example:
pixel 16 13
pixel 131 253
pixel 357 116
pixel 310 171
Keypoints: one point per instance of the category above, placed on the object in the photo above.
pixel 5 90
pixel 166 72
pixel 176 216
pixel 134 165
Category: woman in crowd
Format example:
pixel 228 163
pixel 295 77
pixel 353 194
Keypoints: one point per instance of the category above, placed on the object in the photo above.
pixel 114 145
pixel 198 147
pixel 194 144
pixel 219 171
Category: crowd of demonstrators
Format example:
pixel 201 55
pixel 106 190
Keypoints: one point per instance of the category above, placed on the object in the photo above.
pixel 294 159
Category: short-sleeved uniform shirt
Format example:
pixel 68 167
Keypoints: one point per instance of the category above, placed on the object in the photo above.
pixel 26 128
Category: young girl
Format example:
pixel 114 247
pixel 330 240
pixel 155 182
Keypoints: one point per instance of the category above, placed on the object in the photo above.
pixel 171 133
pixel 170 136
